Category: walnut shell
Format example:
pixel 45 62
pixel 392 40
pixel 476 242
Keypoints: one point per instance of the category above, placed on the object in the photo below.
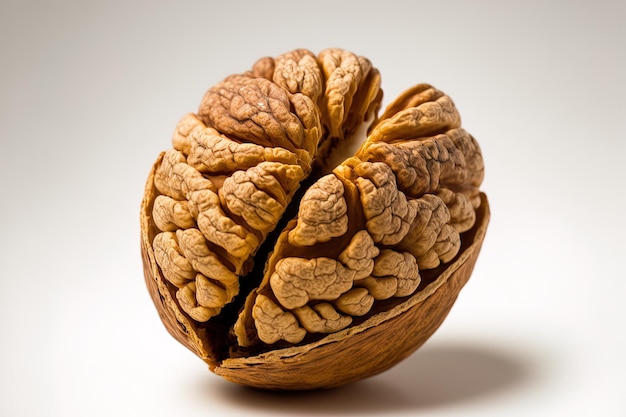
pixel 283 271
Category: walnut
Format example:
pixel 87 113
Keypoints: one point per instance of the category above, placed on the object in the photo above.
pixel 283 270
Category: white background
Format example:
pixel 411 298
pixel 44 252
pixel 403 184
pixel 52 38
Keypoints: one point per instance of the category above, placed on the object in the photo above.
pixel 91 92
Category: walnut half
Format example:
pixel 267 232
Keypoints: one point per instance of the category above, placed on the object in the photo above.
pixel 283 271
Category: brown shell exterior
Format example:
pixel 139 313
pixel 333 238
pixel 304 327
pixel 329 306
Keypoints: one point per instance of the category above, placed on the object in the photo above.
pixel 364 350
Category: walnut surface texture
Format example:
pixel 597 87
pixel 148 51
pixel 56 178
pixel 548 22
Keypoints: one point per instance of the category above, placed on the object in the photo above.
pixel 293 238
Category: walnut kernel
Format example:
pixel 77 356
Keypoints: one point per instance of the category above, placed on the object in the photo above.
pixel 282 272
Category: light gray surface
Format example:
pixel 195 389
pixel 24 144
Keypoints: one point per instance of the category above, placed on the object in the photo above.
pixel 91 91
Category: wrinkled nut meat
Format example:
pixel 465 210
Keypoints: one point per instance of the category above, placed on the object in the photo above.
pixel 286 263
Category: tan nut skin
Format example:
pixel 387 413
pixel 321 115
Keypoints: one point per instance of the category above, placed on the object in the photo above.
pixel 340 358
